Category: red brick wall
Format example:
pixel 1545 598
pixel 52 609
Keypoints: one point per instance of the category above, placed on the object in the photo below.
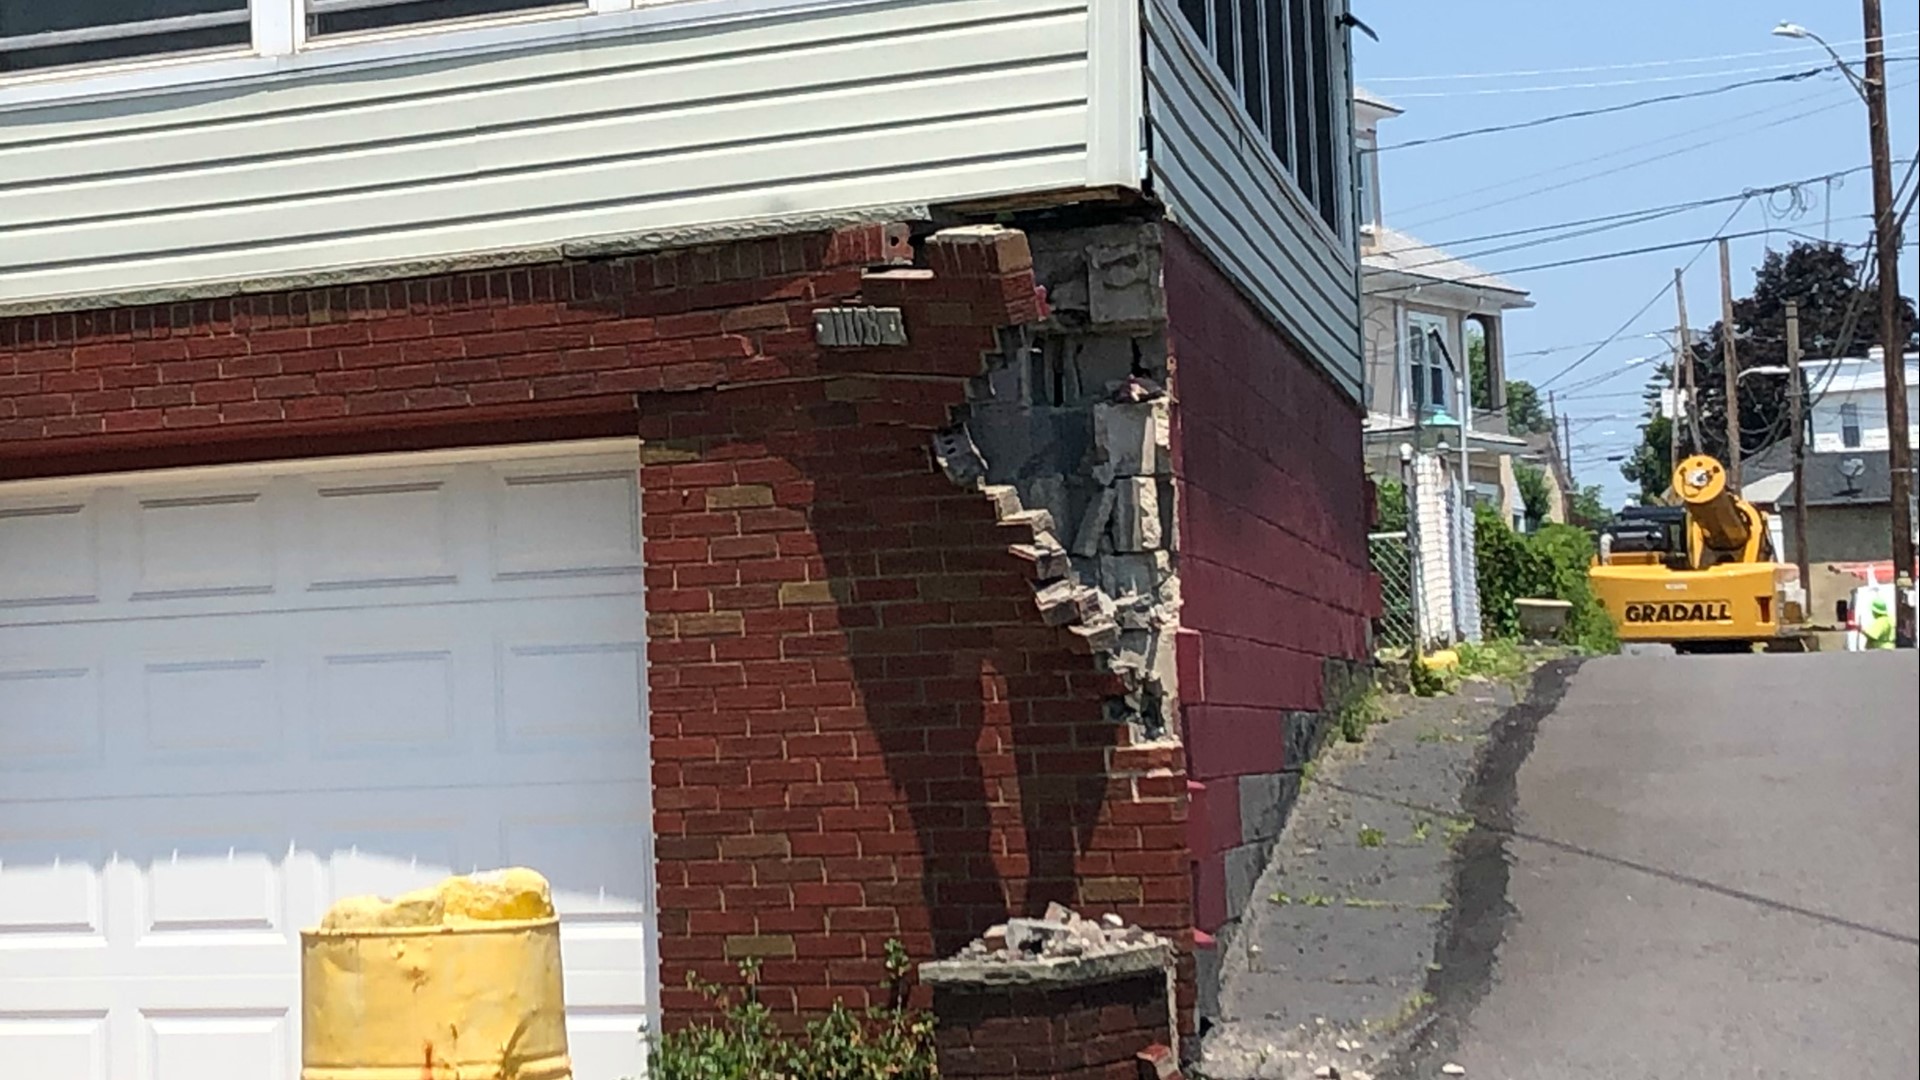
pixel 862 729
pixel 1273 554
pixel 1092 1032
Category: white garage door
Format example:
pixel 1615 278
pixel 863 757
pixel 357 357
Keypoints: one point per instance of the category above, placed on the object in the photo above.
pixel 230 697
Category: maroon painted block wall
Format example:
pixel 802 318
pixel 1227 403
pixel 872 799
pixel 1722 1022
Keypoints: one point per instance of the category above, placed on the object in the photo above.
pixel 862 729
pixel 1272 513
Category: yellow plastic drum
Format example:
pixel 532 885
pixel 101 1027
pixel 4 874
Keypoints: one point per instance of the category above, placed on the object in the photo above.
pixel 458 982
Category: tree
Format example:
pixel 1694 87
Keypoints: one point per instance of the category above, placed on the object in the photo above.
pixel 1823 280
pixel 1532 482
pixel 1587 508
pixel 1525 416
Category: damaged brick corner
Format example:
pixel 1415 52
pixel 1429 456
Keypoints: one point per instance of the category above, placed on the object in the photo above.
pixel 1067 428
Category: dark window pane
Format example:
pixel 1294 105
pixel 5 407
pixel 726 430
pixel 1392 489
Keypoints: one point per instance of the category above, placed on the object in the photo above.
pixel 1196 13
pixel 355 16
pixel 1326 140
pixel 37 34
pixel 1279 131
pixel 1226 39
pixel 1299 28
pixel 1253 87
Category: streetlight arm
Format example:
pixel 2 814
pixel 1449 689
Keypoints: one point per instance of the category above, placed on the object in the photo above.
pixel 1794 30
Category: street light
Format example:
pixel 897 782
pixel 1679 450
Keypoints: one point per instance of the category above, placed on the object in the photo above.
pixel 1872 88
pixel 1801 33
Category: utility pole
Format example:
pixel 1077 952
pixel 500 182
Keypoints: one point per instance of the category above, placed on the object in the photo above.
pixel 1686 356
pixel 1800 559
pixel 1730 365
pixel 1892 342
pixel 1673 397
pixel 1563 428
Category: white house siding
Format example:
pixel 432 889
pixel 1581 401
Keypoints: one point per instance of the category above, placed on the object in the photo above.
pixel 1211 168
pixel 812 112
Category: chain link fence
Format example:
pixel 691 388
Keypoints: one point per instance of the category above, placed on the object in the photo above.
pixel 1392 557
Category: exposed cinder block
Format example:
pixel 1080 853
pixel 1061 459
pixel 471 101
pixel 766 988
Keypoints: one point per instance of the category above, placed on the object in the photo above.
pixel 1123 283
pixel 1130 575
pixel 1048 492
pixel 1136 514
pixel 1244 866
pixel 1265 802
pixel 1093 526
pixel 1132 439
pixel 1099 361
pixel 1304 732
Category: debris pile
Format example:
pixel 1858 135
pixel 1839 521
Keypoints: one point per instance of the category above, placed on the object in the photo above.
pixel 1059 935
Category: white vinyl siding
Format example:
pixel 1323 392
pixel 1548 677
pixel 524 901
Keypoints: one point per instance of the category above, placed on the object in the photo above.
pixel 809 113
pixel 1224 182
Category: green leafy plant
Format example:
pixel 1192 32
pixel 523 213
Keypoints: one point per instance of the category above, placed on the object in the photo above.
pixel 1371 837
pixel 1552 563
pixel 745 1040
pixel 1361 710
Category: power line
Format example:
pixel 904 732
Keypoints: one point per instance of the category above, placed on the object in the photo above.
pixel 1631 66
pixel 1649 80
pixel 1644 308
pixel 1623 253
pixel 1605 110
pixel 1694 144
pixel 1693 204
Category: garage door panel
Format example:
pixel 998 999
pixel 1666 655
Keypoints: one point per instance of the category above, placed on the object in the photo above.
pixel 188 546
pixel 52 557
pixel 223 707
pixel 290 688
pixel 51 714
pixel 215 1044
pixel 70 1045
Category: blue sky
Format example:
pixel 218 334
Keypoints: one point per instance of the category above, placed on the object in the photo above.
pixel 1449 193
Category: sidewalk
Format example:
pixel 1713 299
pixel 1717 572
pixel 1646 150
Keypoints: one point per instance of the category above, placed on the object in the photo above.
pixel 1330 970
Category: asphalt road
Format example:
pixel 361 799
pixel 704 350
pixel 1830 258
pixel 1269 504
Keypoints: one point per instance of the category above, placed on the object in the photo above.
pixel 1697 867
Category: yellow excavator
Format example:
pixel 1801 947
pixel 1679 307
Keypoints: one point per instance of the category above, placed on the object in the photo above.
pixel 1699 576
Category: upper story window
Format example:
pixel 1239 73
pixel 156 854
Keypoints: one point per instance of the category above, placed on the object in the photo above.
pixel 1850 426
pixel 43 36
pixel 1279 55
pixel 326 17
pixel 37 35
pixel 1431 370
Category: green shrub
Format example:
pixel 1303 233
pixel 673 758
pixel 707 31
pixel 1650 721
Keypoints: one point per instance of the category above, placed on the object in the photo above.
pixel 1550 564
pixel 745 1041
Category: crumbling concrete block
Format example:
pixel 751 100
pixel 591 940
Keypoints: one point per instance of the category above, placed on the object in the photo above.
pixel 1063 603
pixel 1048 492
pixel 1132 439
pixel 1123 283
pixel 1135 522
pixel 1045 562
pixel 1093 526
pixel 1130 575
pixel 958 457
pixel 1099 361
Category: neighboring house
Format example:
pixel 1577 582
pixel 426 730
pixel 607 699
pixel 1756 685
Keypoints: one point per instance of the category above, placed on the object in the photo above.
pixel 440 435
pixel 1849 502
pixel 1419 304
pixel 1850 403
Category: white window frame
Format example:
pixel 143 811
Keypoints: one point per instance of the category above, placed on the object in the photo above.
pixel 1850 424
pixel 1421 366
pixel 280 49
pixel 1343 230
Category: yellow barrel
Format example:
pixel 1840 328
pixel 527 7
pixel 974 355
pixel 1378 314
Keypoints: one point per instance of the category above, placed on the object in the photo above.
pixel 460 982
